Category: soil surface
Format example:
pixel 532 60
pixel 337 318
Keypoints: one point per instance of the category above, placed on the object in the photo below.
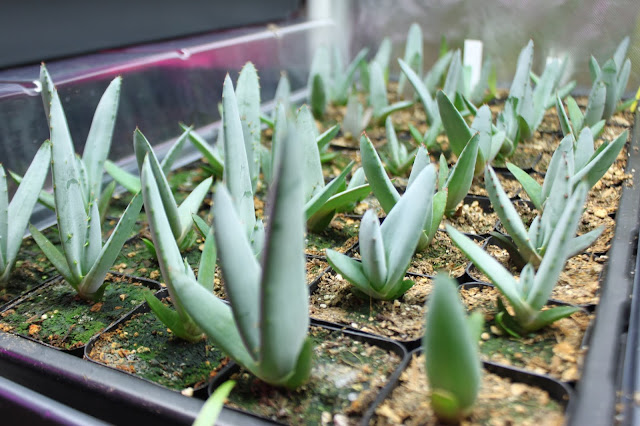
pixel 499 398
pixel 346 377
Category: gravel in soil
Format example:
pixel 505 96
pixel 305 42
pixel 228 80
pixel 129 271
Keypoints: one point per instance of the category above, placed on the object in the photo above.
pixel 498 398
pixel 472 219
pixel 340 235
pixel 556 350
pixel 346 377
pixel 143 346
pixel 510 185
pixel 55 315
pixel 401 319
pixel 442 254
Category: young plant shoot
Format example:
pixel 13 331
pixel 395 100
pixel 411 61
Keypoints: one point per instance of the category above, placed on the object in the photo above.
pixel 15 215
pixel 180 217
pixel 528 295
pixel 453 184
pixel 397 159
pixel 450 346
pixel 96 148
pixel 168 254
pixel 386 250
pixel 614 75
pixel 264 328
pixel 83 261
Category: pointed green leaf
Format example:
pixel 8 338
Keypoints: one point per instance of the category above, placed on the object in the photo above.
pixel 191 205
pixel 128 180
pixel 320 198
pixel 210 153
pixel 545 318
pixel 565 124
pixel 248 99
pixel 172 319
pixel 351 270
pixel 596 104
pixel 461 176
pixel 413 49
pixel 428 103
pixel 325 138
pixel 598 165
pixel 372 252
pixel 458 132
pixel 380 183
pixel 98 143
pixel 529 184
pixel 213 405
pixel 54 255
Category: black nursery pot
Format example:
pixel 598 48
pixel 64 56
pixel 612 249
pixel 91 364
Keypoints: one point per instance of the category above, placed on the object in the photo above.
pixel 53 315
pixel 352 372
pixel 555 396
pixel 140 345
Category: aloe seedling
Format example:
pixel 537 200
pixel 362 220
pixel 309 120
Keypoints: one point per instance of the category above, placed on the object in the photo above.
pixel 213 405
pixel 584 163
pixel 398 159
pixel 96 147
pixel 573 121
pixel 450 346
pixel 328 81
pixel 168 254
pixel 264 328
pixel 614 75
pixel 15 215
pixel 459 133
pixel 453 185
pixel 180 217
pixel 530 246
pixel 528 295
pixel 378 95
pixel 386 250
pixel 131 182
pixel 83 261
pixel 412 54
pixel 322 201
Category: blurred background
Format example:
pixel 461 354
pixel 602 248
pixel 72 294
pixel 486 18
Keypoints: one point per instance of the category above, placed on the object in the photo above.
pixel 173 56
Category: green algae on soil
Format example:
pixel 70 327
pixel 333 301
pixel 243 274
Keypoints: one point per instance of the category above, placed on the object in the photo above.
pixel 143 346
pixel 55 315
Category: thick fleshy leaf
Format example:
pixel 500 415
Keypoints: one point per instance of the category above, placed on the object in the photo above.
pixel 434 76
pixel 18 212
pixel 214 317
pixel 509 217
pixel 458 132
pixel 412 53
pixel 583 149
pixel 497 273
pixel 461 176
pixel 175 150
pixel 374 263
pixel 213 405
pixel 401 228
pixel 451 353
pixel 248 99
pixel 237 171
pixel 94 279
pixel 351 270
pixel 129 181
pixel 67 189
pixel 421 161
pixel 529 184
pixel 55 256
pixel 549 316
pixel 377 89
pixel 343 84
pixel 209 152
pixel 98 142
pixel 596 103
pixel 208 259
pixel 565 124
pixel 307 134
pixel 521 78
pixel 191 205
pixel 283 329
pixel 598 165
pixel 380 183
pixel 240 269
pixel 179 327
pixel 558 249
pixel 343 199
pixel 454 74
pixel 93 239
pixel 608 77
pixel 312 206
pixel 429 104
pixel 323 140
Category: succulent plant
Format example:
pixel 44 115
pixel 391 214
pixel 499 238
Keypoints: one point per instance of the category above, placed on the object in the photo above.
pixel 264 328
pixel 180 217
pixel 525 107
pixel 575 121
pixel 413 56
pixel 168 253
pixel 213 405
pixel 237 177
pixel 322 201
pixel 96 148
pixel 328 81
pixel 528 295
pixel 450 346
pixel 453 184
pixel 386 250
pixel 459 133
pixel 15 215
pixel 131 182
pixel 530 246
pixel 397 159
pixel 378 95
pixel 355 120
pixel 83 261
pixel 614 75
pixel 584 162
